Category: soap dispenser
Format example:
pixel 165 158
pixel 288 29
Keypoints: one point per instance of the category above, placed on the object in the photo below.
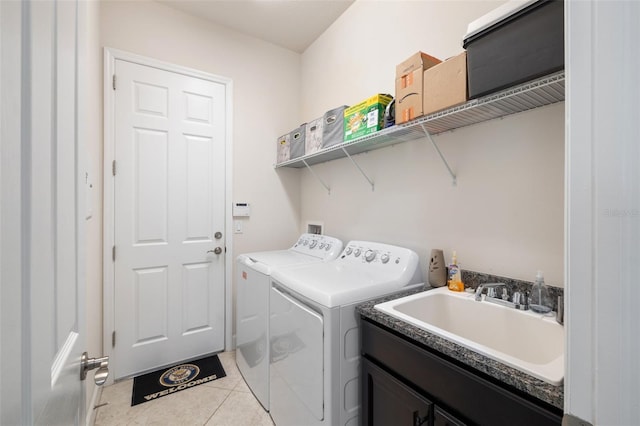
pixel 455 276
pixel 540 301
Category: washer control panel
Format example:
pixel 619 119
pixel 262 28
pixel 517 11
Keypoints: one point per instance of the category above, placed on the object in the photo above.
pixel 375 254
pixel 322 246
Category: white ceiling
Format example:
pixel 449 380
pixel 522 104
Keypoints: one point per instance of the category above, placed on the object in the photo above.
pixel 292 24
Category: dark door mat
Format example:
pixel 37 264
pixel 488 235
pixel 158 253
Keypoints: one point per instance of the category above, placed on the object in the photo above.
pixel 174 379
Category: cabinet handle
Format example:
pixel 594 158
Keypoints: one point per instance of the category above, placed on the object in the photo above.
pixel 418 421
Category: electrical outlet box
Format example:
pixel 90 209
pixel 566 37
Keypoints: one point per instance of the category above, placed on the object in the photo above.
pixel 314 228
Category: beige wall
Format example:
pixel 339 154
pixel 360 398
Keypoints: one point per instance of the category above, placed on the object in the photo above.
pixel 504 217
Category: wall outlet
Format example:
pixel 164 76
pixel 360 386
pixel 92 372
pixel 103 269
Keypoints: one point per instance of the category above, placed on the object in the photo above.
pixel 314 228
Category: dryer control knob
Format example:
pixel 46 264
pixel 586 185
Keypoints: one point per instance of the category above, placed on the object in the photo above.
pixel 357 252
pixel 313 243
pixel 327 247
pixel 321 246
pixel 369 255
pixel 384 258
pixel 349 251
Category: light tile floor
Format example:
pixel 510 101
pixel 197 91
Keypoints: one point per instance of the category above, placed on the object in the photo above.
pixel 223 402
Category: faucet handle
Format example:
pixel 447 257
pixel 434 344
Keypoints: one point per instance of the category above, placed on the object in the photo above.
pixel 517 297
pixel 520 300
pixel 505 293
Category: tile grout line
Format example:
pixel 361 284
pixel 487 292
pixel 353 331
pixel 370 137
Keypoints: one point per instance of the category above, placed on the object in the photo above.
pixel 216 410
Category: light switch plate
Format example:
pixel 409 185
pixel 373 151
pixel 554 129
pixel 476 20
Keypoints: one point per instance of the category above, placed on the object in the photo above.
pixel 237 227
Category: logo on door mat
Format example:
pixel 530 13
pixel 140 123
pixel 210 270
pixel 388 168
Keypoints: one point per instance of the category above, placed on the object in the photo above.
pixel 168 380
pixel 179 374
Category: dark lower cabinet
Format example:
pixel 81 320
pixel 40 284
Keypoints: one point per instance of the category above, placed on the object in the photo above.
pixel 405 384
pixel 389 402
pixel 442 418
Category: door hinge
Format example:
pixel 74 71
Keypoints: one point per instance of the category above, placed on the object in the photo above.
pixel 113 253
pixel 114 82
pixel 113 167
pixel 113 339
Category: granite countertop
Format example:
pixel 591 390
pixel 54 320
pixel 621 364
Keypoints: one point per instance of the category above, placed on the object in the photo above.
pixel 546 392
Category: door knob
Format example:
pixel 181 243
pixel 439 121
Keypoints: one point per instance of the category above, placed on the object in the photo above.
pixel 216 250
pixel 217 235
pixel 102 364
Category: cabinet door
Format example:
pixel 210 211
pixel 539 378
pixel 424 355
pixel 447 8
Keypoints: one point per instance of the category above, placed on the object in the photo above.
pixel 442 418
pixel 387 401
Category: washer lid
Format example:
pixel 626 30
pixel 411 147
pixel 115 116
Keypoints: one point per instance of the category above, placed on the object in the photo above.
pixel 351 278
pixel 309 248
pixel 280 257
pixel 267 261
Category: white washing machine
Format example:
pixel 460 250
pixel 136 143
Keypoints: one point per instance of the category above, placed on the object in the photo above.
pixel 252 303
pixel 314 330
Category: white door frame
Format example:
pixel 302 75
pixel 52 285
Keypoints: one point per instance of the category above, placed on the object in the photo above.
pixel 602 213
pixel 40 362
pixel 110 57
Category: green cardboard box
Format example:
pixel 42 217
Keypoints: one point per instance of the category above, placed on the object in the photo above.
pixel 365 117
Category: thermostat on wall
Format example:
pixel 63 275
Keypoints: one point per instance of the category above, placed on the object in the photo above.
pixel 241 210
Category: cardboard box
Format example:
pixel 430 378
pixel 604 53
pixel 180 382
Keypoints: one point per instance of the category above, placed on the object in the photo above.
pixel 409 93
pixel 366 117
pixel 409 86
pixel 283 149
pixel 445 85
pixel 313 136
pixel 419 60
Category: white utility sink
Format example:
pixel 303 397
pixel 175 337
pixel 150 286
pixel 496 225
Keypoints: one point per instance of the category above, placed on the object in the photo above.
pixel 529 342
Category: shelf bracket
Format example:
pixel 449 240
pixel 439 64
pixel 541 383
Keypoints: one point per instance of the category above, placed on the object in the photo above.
pixel 317 177
pixel 359 168
pixel 453 176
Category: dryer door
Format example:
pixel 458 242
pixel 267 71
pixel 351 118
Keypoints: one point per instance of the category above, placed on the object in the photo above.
pixel 252 328
pixel 296 361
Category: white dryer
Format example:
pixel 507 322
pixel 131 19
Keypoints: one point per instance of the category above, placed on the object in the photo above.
pixel 252 303
pixel 314 330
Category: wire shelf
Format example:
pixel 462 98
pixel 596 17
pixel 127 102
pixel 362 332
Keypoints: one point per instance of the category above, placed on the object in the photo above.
pixel 533 94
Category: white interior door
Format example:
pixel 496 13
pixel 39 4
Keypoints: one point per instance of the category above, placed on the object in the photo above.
pixel 169 194
pixel 42 231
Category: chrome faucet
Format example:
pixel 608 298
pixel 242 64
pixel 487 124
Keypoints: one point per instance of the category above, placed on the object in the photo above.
pixel 478 295
pixel 518 301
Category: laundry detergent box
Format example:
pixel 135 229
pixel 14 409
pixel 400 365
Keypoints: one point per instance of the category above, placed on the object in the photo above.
pixel 365 117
